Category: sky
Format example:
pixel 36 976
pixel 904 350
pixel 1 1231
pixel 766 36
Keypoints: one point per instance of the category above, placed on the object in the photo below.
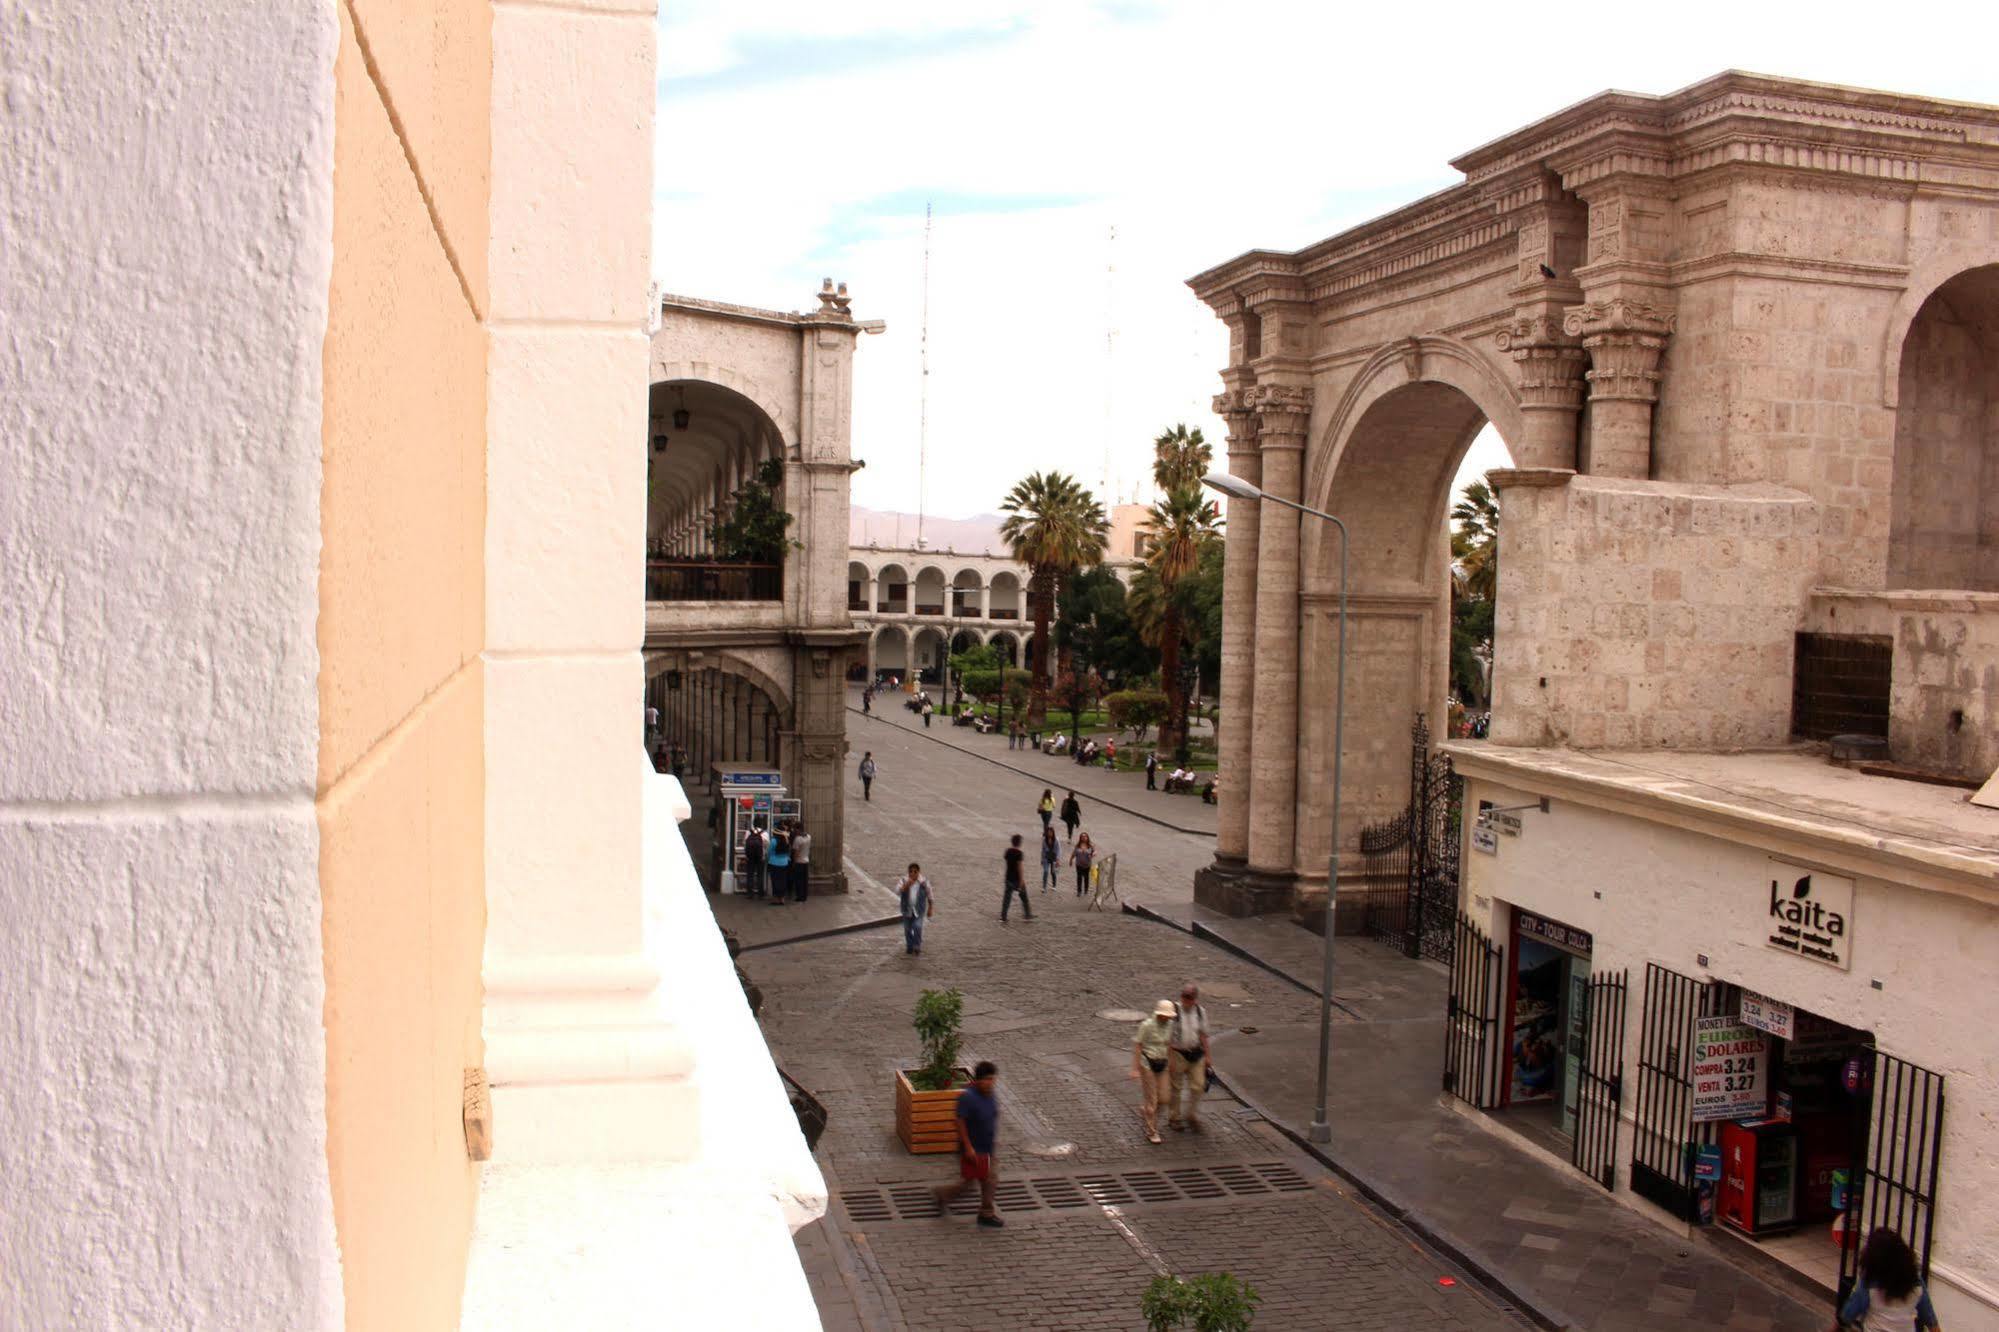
pixel 1083 158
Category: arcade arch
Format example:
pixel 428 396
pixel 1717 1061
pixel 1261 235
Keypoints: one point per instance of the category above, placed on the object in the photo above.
pixel 703 441
pixel 890 652
pixel 929 591
pixel 892 590
pixel 926 649
pixel 1008 644
pixel 726 712
pixel 1003 597
pixel 860 587
pixel 967 594
pixel 1944 505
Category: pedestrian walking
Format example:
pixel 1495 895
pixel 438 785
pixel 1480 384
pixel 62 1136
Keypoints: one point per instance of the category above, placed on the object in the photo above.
pixel 777 862
pixel 978 1134
pixel 1084 856
pixel 1051 859
pixel 926 714
pixel 1152 770
pixel 801 862
pixel 868 775
pixel 755 846
pixel 1016 881
pixel 1110 753
pixel 1150 1046
pixel 1889 1293
pixel 1047 806
pixel 1187 1061
pixel 1072 814
pixel 917 904
pixel 868 701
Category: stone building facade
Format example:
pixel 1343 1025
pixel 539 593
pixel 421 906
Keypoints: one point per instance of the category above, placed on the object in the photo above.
pixel 1738 340
pixel 747 663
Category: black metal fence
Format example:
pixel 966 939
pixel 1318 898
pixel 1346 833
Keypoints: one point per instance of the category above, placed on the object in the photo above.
pixel 1409 863
pixel 1383 889
pixel 1601 1088
pixel 1471 1022
pixel 1663 1128
pixel 1894 1171
pixel 698 580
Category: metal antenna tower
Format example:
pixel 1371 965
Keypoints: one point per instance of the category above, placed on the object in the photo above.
pixel 923 391
pixel 1110 356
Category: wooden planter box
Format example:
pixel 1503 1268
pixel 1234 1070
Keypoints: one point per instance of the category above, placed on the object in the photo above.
pixel 927 1121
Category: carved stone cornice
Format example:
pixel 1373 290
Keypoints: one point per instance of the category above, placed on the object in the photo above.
pixel 1282 413
pixel 1624 338
pixel 1239 414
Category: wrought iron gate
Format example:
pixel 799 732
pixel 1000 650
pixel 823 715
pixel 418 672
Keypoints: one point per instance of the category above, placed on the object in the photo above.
pixel 1600 1089
pixel 1471 1022
pixel 1894 1170
pixel 1663 1127
pixel 1384 853
pixel 1436 814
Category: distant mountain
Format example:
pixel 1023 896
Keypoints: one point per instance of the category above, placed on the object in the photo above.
pixel 977 535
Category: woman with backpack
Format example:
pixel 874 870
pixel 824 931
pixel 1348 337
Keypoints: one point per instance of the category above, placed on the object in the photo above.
pixel 1072 814
pixel 1889 1293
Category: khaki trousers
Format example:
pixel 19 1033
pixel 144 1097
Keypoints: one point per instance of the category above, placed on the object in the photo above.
pixel 1190 1075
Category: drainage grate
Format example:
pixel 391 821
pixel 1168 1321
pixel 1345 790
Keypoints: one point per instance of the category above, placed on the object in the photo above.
pixel 1055 1193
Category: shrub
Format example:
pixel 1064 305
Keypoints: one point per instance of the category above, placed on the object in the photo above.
pixel 939 1014
pixel 1136 709
pixel 1217 1302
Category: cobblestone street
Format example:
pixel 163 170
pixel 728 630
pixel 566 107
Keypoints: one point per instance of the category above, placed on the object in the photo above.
pixel 1093 1211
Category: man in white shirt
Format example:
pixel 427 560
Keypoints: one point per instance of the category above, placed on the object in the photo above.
pixel 1187 1058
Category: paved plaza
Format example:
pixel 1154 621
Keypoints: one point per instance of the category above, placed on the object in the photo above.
pixel 1093 1211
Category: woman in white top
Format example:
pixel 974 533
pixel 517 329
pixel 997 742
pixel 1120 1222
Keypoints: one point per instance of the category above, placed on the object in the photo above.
pixel 1889 1295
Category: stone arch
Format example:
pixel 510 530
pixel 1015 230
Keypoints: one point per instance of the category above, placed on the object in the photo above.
pixel 890 575
pixel 1008 642
pixel 1943 527
pixel 859 577
pixel 927 645
pixel 772 406
pixel 924 592
pixel 1006 596
pixel 1388 475
pixel 704 721
pixel 1425 358
pixel 890 635
pixel 1925 279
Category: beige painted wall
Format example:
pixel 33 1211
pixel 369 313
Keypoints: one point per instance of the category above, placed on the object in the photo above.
pixel 400 791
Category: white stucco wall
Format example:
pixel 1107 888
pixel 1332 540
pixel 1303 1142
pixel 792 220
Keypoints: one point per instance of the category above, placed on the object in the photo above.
pixel 165 247
pixel 1651 892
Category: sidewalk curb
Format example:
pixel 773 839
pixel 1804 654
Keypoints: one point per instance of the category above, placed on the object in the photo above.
pixel 1040 777
pixel 820 934
pixel 1429 1231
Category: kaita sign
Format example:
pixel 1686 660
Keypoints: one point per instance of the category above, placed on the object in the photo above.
pixel 1810 914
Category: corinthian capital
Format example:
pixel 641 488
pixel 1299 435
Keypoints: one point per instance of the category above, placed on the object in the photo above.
pixel 1619 314
pixel 1282 410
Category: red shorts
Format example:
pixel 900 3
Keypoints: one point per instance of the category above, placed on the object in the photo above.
pixel 977 1166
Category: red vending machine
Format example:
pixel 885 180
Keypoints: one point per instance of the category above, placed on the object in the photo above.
pixel 1759 1176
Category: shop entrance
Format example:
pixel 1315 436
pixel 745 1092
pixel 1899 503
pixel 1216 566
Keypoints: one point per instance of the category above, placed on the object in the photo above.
pixel 1780 1127
pixel 1547 1017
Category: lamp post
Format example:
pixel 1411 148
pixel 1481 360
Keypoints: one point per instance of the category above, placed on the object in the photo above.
pixel 1235 486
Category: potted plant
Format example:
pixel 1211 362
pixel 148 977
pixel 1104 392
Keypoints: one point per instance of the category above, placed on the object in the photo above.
pixel 926 1098
pixel 1217 1302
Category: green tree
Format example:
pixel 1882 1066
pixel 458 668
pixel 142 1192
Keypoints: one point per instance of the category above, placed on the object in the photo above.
pixel 1135 709
pixel 1176 527
pixel 1474 590
pixel 1180 458
pixel 984 657
pixel 756 530
pixel 1056 528
pixel 1093 627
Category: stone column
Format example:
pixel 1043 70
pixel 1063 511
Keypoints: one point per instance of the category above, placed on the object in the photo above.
pixel 819 713
pixel 985 599
pixel 1282 412
pixel 732 690
pixel 874 599
pixel 1550 376
pixel 1624 339
pixel 1238 635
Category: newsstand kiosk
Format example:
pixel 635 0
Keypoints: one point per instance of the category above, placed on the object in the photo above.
pixel 748 798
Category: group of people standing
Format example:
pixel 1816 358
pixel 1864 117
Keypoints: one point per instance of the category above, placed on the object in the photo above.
pixel 778 864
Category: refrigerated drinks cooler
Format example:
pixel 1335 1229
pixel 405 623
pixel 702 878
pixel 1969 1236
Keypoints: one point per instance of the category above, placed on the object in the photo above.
pixel 1759 1176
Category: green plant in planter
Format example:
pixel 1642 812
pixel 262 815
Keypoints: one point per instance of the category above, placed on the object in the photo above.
pixel 939 1016
pixel 1217 1302
pixel 756 529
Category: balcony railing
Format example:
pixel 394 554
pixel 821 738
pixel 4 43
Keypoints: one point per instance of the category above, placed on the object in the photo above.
pixel 696 580
pixel 858 604
pixel 997 614
pixel 937 609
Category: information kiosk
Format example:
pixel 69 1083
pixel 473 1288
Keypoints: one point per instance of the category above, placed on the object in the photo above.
pixel 747 798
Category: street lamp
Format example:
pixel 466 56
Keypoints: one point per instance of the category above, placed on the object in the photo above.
pixel 1236 487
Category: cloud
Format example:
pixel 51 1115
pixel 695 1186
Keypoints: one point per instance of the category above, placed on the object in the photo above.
pixel 800 140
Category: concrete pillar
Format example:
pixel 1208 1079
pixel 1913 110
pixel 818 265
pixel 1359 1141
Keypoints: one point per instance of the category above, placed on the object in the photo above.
pixel 985 599
pixel 874 604
pixel 1282 412
pixel 1624 339
pixel 1550 375
pixel 732 692
pixel 1238 636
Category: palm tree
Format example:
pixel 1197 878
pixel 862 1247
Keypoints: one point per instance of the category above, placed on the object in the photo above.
pixel 1056 528
pixel 1180 458
pixel 1475 540
pixel 1176 526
